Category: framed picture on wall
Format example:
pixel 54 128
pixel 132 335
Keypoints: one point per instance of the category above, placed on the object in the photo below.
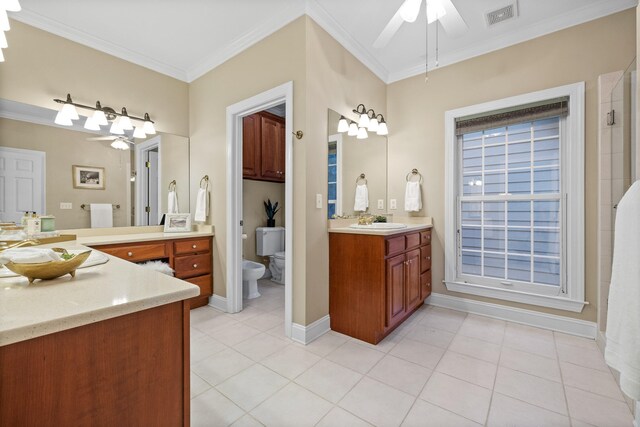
pixel 88 177
pixel 177 222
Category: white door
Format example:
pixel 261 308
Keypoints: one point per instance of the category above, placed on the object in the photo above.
pixel 22 186
pixel 152 187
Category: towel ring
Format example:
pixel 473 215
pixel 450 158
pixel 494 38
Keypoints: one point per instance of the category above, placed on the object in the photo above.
pixel 414 172
pixel 172 185
pixel 205 180
pixel 362 176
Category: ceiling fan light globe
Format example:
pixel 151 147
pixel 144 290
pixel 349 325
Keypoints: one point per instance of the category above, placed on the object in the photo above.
pixel 410 9
pixel 119 144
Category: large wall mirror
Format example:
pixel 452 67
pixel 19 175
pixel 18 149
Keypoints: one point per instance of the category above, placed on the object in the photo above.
pixel 55 170
pixel 355 162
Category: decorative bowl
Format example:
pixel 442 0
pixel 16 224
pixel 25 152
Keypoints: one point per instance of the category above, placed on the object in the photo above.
pixel 49 270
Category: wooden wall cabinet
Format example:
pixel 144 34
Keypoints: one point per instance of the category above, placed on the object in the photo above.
pixel 377 282
pixel 263 147
pixel 190 258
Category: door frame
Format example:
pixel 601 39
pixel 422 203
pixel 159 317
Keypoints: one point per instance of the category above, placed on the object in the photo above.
pixel 235 114
pixel 140 149
pixel 43 157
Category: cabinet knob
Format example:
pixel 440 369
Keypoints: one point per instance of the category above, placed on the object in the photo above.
pixel 129 253
pixel 195 265
pixel 428 258
pixel 194 246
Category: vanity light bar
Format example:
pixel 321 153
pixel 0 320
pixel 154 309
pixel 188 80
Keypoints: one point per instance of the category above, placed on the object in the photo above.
pixel 368 121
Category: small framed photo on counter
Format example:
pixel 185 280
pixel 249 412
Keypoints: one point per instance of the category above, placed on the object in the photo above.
pixel 177 222
pixel 88 177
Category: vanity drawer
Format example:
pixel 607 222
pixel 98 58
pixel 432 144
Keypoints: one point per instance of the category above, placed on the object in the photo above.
pixel 425 285
pixel 425 258
pixel 204 283
pixel 191 246
pixel 136 253
pixel 413 240
pixel 425 237
pixel 192 265
pixel 394 245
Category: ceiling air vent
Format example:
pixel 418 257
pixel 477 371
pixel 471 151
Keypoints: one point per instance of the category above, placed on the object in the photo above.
pixel 500 15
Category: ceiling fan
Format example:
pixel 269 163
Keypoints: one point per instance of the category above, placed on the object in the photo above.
pixel 436 10
pixel 119 142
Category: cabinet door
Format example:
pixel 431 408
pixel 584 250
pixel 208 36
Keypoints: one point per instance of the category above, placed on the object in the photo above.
pixel 272 149
pixel 412 278
pixel 396 300
pixel 251 146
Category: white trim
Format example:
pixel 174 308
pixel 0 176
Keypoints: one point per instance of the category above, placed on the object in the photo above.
pixel 573 152
pixel 235 113
pixel 218 302
pixel 309 333
pixel 141 180
pixel 538 319
pixel 338 140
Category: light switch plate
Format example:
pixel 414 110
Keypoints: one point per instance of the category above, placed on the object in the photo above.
pixel 66 205
pixel 319 201
pixel 380 203
pixel 393 204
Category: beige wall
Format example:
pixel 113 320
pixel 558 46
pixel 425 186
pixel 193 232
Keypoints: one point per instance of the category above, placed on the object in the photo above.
pixel 65 148
pixel 254 193
pixel 174 157
pixel 416 117
pixel 41 66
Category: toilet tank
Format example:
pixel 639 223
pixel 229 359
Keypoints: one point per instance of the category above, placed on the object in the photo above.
pixel 269 240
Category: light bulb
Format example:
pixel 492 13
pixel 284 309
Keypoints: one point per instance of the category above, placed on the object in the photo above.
pixel 382 128
pixel 362 133
pixel 4 21
pixel 62 119
pixel 10 5
pixel 373 125
pixel 3 40
pixel 343 125
pixel 99 118
pixel 90 124
pixel 410 9
pixel 353 129
pixel 139 132
pixel 148 127
pixel 68 110
pixel 125 121
pixel 115 128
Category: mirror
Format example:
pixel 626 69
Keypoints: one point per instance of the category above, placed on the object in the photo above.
pixel 349 158
pixel 37 160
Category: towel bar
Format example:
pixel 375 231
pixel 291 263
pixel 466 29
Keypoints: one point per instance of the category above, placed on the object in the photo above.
pixel 87 207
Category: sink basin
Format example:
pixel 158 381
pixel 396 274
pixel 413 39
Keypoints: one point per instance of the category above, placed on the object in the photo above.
pixel 380 226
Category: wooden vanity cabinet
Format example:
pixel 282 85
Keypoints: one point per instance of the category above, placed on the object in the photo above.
pixel 377 282
pixel 190 258
pixel 263 147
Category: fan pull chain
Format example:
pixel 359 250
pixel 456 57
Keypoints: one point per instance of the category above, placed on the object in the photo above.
pixel 426 44
pixel 437 31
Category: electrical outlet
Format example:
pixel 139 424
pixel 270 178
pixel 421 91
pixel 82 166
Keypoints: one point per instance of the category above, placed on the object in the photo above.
pixel 393 204
pixel 380 203
pixel 66 205
pixel 319 201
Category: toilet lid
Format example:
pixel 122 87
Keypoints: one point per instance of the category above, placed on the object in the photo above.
pixel 279 255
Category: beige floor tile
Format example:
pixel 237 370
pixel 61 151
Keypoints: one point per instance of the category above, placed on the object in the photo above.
pixel 194 334
pixel 417 352
pixel 508 412
pixel 292 406
pixel 473 347
pixel 325 344
pixel 574 340
pixel 578 423
pixel 252 386
pixel 291 361
pixel 264 322
pixel 444 319
pixel 204 347
pixel 460 397
pixel 260 346
pixel 483 328
pixel 329 380
pixel 248 311
pixel 211 408
pixel 202 314
pixel 425 414
pixel 592 380
pixel 436 337
pixel 355 356
pixel 225 364
pixel 530 363
pixel 534 390
pixel 467 368
pixel 387 344
pixel 278 331
pixel 234 334
pixel 247 421
pixel 531 344
pixel 377 403
pixel 215 324
pixel 597 410
pixel 198 385
pixel 582 356
pixel 516 329
pixel 400 374
pixel 338 417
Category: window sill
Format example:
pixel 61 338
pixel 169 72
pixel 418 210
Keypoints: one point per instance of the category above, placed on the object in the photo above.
pixel 517 296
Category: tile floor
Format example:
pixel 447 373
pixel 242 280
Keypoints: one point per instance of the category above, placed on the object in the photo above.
pixel 440 368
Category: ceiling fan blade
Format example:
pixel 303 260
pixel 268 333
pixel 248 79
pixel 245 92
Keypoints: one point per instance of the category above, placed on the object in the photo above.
pixel 452 21
pixel 389 31
pixel 103 138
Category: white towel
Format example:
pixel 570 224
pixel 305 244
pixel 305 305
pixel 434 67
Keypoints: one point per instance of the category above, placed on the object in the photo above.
pixel 28 256
pixel 201 206
pixel 412 197
pixel 172 202
pixel 622 351
pixel 362 198
pixel 101 215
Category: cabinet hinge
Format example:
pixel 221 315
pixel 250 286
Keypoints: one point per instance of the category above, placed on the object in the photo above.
pixel 147 209
pixel 147 164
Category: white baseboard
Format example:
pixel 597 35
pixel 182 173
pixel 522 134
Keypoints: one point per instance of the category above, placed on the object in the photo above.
pixel 218 302
pixel 518 315
pixel 601 341
pixel 306 334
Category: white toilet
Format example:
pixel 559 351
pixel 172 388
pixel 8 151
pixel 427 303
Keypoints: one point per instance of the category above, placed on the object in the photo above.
pixel 270 242
pixel 251 272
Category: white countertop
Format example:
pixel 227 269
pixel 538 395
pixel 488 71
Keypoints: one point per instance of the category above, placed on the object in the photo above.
pixel 96 293
pixel 138 237
pixel 426 224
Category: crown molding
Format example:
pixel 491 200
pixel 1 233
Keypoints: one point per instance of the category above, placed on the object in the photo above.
pixel 561 22
pixel 245 41
pixel 52 26
pixel 319 14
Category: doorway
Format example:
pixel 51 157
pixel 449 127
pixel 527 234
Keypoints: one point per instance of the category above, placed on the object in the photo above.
pixel 148 158
pixel 22 183
pixel 282 94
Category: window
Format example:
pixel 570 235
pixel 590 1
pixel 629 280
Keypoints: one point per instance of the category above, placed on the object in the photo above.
pixel 334 190
pixel 514 179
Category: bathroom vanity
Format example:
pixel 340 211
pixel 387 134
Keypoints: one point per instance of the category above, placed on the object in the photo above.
pixel 377 278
